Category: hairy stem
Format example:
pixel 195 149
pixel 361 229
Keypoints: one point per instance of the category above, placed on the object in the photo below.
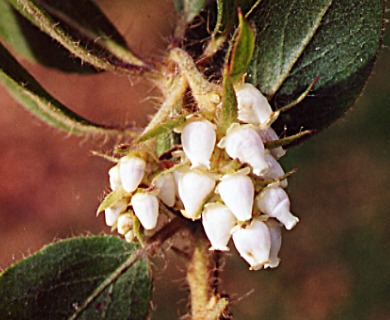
pixel 206 304
pixel 198 276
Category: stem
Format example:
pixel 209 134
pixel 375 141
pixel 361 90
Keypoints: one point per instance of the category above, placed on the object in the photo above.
pixel 206 94
pixel 198 276
pixel 205 303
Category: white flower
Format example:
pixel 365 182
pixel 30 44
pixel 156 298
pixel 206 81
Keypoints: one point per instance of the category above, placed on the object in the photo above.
pixel 115 179
pixel 198 140
pixel 243 143
pixel 275 203
pixel 237 192
pixel 253 243
pixel 276 242
pixel 269 135
pixel 275 170
pixel 131 170
pixel 166 187
pixel 253 107
pixel 145 206
pixel 112 212
pixel 194 187
pixel 218 221
pixel 125 223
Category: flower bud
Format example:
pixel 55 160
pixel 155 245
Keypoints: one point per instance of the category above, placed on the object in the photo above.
pixel 112 212
pixel 276 242
pixel 253 243
pixel 165 185
pixel 243 143
pixel 194 187
pixel 269 135
pixel 125 223
pixel 131 170
pixel 129 236
pixel 198 140
pixel 275 170
pixel 145 206
pixel 252 106
pixel 218 222
pixel 115 179
pixel 237 192
pixel 275 203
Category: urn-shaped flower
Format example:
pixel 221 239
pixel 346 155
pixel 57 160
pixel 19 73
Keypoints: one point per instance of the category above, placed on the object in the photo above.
pixel 165 184
pixel 112 212
pixel 194 186
pixel 253 243
pixel 275 233
pixel 243 143
pixel 275 203
pixel 198 140
pixel 237 192
pixel 131 170
pixel 275 170
pixel 145 206
pixel 218 222
pixel 115 178
pixel 252 106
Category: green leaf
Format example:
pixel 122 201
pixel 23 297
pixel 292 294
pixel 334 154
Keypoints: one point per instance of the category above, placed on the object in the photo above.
pixel 111 198
pixel 296 41
pixel 98 277
pixel 164 127
pixel 226 12
pixel 78 25
pixel 33 97
pixel 27 40
pixel 242 50
pixel 229 104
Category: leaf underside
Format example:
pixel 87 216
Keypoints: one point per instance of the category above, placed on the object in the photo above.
pixel 54 282
pixel 27 91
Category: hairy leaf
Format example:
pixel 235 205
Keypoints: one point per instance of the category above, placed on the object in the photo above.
pixel 296 41
pixel 164 127
pixel 113 197
pixel 27 91
pixel 229 104
pixel 80 27
pixel 98 277
pixel 242 49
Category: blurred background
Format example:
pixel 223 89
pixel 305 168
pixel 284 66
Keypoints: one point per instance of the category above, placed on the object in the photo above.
pixel 335 263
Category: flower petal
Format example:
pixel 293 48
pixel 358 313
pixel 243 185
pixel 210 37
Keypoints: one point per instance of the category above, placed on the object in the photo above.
pixel 218 221
pixel 275 203
pixel 194 187
pixel 125 223
pixel 145 206
pixel 243 143
pixel 253 244
pixel 276 242
pixel 198 140
pixel 115 179
pixel 269 135
pixel 131 170
pixel 166 187
pixel 237 192
pixel 112 212
pixel 253 107
pixel 275 170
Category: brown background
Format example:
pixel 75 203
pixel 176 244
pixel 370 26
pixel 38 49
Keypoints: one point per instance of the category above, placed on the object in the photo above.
pixel 336 262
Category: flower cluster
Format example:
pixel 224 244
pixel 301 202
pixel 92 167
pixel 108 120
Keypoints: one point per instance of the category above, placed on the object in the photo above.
pixel 232 183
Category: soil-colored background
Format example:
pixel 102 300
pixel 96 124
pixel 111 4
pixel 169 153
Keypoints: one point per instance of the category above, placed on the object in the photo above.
pixel 335 263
